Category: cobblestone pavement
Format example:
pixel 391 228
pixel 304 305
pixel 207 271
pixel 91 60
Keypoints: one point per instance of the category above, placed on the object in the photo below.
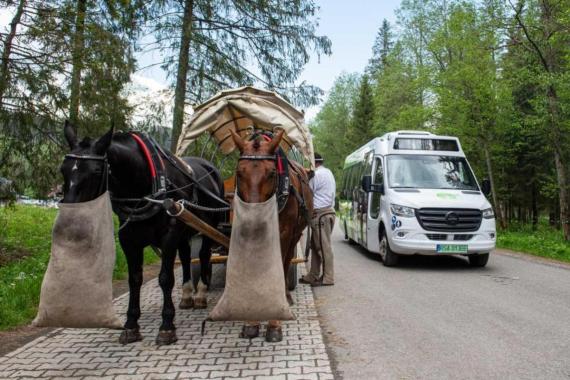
pixel 219 354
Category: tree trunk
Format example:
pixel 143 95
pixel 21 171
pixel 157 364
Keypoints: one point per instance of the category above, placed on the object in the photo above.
pixel 498 211
pixel 534 206
pixel 77 61
pixel 182 74
pixel 4 65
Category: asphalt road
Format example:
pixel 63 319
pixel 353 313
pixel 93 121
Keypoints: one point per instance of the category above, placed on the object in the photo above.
pixel 437 318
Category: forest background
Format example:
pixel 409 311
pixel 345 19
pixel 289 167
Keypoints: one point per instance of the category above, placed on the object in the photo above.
pixel 494 73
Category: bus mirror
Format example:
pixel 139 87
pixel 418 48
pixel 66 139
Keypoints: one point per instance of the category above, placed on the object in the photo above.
pixel 367 183
pixel 486 187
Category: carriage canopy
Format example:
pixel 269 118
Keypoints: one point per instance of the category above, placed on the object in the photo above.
pixel 244 109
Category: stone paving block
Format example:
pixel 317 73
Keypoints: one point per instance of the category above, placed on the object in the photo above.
pixel 219 354
pixel 166 376
pixel 120 371
pixel 278 377
pixel 312 376
pixel 256 372
pixel 287 371
pixel 23 373
pixel 225 374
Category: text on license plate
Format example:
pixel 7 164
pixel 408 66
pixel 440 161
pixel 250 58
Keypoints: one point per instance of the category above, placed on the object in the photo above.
pixel 451 248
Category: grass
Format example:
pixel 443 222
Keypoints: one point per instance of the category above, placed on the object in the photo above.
pixel 25 242
pixel 545 241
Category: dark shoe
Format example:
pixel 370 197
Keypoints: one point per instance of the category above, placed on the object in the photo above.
pixel 320 283
pixel 303 280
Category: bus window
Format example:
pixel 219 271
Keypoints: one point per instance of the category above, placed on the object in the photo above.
pixel 377 179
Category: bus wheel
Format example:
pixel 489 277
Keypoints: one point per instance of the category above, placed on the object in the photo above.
pixel 389 258
pixel 478 260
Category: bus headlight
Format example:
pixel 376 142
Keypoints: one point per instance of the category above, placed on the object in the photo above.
pixel 488 213
pixel 406 212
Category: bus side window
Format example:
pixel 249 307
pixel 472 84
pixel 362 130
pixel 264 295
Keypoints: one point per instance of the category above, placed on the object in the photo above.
pixel 347 184
pixel 377 179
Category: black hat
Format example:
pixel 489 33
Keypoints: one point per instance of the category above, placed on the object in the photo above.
pixel 318 157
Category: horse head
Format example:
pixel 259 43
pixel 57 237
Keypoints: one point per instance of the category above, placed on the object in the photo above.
pixel 85 167
pixel 256 173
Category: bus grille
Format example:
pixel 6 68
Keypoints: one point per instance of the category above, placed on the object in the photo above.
pixel 448 219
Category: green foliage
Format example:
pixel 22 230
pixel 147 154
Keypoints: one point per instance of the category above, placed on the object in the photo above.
pixel 495 74
pixel 330 127
pixel 543 241
pixel 25 254
pixel 360 128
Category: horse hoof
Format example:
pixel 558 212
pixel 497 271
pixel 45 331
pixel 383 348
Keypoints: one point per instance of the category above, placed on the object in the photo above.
pixel 166 337
pixel 273 334
pixel 249 332
pixel 200 303
pixel 186 303
pixel 130 336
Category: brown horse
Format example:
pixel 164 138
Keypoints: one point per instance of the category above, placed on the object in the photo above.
pixel 256 175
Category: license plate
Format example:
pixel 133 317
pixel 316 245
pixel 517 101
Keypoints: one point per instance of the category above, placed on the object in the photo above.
pixel 451 248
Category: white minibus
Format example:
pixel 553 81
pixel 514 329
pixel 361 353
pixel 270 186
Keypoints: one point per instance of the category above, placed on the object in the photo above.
pixel 412 192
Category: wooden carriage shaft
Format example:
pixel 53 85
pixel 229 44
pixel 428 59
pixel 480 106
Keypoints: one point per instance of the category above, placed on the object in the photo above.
pixel 193 221
pixel 223 259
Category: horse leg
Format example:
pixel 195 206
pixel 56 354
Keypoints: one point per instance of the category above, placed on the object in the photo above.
pixel 186 302
pixel 167 331
pixel 201 299
pixel 274 332
pixel 250 330
pixel 134 256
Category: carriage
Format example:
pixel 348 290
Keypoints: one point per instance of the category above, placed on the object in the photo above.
pixel 157 194
pixel 245 110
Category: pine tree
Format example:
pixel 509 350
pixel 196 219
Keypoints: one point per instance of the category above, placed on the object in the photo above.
pixel 381 49
pixel 221 44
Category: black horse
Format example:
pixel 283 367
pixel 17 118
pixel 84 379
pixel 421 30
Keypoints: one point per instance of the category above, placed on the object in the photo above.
pixel 117 162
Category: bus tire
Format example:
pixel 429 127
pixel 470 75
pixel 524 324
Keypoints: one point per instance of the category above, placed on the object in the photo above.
pixel 478 260
pixel 389 257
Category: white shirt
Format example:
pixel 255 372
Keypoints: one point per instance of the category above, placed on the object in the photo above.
pixel 324 188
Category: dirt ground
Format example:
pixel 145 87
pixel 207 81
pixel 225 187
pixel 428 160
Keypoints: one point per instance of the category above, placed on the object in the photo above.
pixel 15 338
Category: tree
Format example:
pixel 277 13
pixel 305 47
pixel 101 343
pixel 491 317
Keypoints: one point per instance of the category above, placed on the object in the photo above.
pixel 381 49
pixel 547 34
pixel 360 129
pixel 331 125
pixel 237 42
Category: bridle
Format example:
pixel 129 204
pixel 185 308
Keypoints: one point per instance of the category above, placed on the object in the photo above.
pixel 104 183
pixel 267 157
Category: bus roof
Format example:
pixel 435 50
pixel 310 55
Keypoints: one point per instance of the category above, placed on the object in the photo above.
pixel 407 142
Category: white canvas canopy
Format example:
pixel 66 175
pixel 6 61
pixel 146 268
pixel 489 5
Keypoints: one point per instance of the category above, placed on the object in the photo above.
pixel 243 110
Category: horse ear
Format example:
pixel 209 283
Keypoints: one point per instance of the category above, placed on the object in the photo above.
pixel 238 140
pixel 274 144
pixel 70 135
pixel 104 141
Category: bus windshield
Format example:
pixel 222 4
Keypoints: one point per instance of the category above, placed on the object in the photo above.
pixel 430 172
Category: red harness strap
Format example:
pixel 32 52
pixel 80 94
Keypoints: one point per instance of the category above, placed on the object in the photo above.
pixel 146 153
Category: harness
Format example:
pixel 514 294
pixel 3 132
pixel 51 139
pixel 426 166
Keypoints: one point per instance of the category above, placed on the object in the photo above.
pixel 158 178
pixel 161 186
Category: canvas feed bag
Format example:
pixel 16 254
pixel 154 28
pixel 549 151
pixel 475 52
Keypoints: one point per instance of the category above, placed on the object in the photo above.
pixel 77 287
pixel 255 282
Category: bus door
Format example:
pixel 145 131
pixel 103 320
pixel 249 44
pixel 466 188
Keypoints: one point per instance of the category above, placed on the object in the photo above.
pixel 374 207
pixel 362 216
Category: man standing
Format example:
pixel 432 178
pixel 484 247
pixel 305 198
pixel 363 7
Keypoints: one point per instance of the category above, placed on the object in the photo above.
pixel 322 223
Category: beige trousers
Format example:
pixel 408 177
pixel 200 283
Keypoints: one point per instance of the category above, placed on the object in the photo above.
pixel 321 229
